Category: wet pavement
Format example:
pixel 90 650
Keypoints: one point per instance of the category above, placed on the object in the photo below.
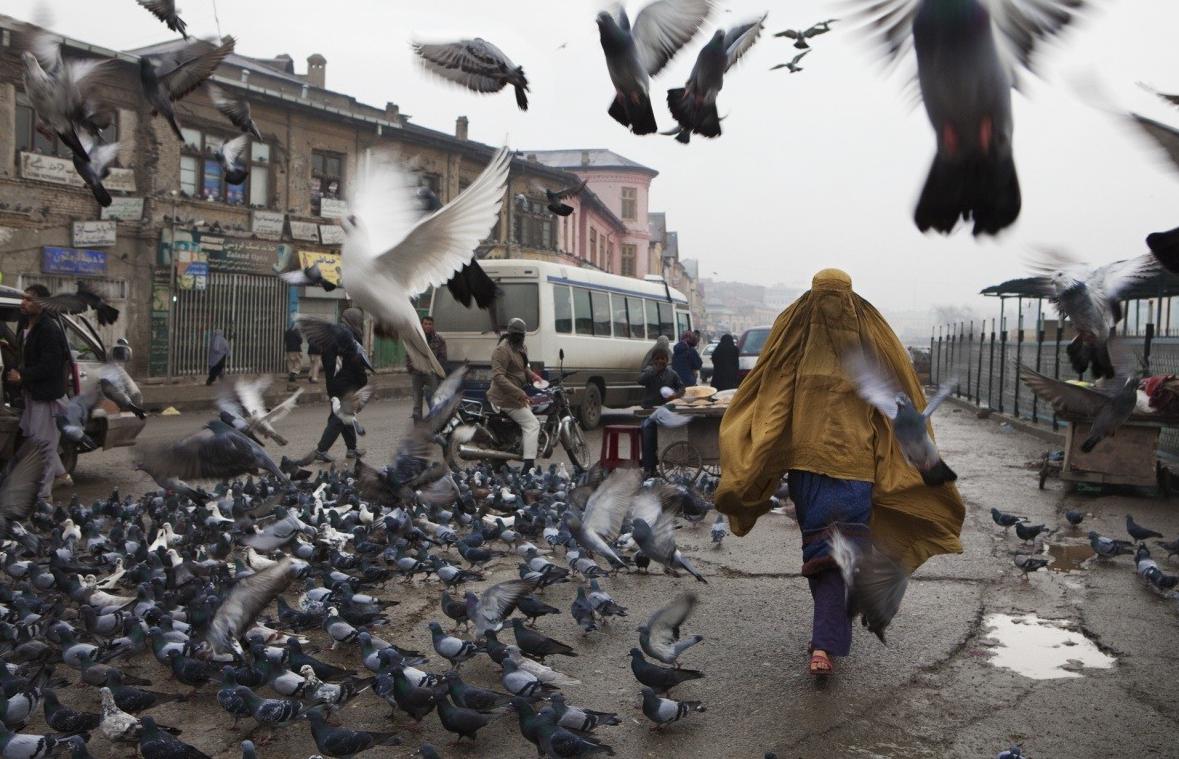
pixel 942 687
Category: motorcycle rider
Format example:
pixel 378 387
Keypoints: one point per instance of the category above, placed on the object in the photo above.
pixel 510 374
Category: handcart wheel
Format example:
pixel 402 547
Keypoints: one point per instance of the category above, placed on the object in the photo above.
pixel 681 461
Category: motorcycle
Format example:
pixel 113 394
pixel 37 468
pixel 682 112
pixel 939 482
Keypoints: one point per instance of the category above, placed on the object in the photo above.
pixel 479 432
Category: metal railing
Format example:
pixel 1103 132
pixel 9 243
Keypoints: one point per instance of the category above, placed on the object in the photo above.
pixel 252 311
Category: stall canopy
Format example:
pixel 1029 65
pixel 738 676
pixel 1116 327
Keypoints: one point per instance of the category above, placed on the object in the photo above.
pixel 1162 285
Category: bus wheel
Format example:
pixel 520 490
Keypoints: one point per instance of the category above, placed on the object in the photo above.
pixel 589 413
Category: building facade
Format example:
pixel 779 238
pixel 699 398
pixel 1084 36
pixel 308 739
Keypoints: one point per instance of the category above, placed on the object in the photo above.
pixel 180 252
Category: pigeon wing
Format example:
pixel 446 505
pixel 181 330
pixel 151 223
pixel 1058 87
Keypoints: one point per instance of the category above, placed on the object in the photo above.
pixel 205 454
pixel 475 64
pixel 665 26
pixel 232 150
pixel 245 602
pixel 472 283
pixel 664 625
pixel 237 111
pixel 569 192
pixel 193 65
pixel 322 334
pixel 499 601
pixel 1027 23
pixel 64 303
pixel 1116 278
pixel 739 39
pixel 1167 137
pixel 22 483
pixel 943 392
pixel 871 385
pixel 877 590
pixel 1064 397
pixel 608 504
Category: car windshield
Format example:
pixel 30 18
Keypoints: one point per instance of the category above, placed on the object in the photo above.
pixel 754 340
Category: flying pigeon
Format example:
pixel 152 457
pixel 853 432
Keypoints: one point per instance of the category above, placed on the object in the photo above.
pixel 909 424
pixel 489 609
pixel 165 10
pixel 800 36
pixel 660 637
pixel 245 602
pixel 1090 297
pixel 875 583
pixel 792 65
pixel 62 90
pixel 237 111
pixel 310 275
pixel 635 54
pixel 216 451
pixel 231 155
pixel 1109 408
pixel 1164 246
pixel 554 198
pixel 390 255
pixel 245 402
pixel 95 166
pixel 168 77
pixel 694 105
pixel 966 81
pixel 475 64
pixel 83 299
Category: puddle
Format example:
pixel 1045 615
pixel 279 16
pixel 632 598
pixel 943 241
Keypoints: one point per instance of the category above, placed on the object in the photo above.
pixel 1041 649
pixel 1069 558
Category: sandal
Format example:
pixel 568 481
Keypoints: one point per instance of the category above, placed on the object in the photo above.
pixel 821 665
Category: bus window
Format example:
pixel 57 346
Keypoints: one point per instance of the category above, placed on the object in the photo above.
pixel 683 322
pixel 652 319
pixel 666 327
pixel 582 314
pixel 601 304
pixel 634 309
pixel 621 326
pixel 562 309
pixel 519 299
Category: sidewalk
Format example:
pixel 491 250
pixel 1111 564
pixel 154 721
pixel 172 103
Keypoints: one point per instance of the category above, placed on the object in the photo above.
pixel 191 393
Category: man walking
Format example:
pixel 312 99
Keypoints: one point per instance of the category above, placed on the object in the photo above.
pixel 685 361
pixel 426 382
pixel 294 343
pixel 344 373
pixel 45 357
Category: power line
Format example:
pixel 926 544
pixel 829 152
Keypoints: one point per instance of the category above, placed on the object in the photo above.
pixel 216 19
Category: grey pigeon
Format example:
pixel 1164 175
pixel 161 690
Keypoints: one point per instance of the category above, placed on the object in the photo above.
pixel 1148 570
pixel 657 542
pixel 1029 563
pixel 61 90
pixel 475 64
pixel 909 424
pixel 694 105
pixel 165 10
pixel 96 166
pixel 664 711
pixel 800 36
pixel 576 718
pixel 19 485
pixel 155 743
pixel 1164 246
pixel 792 64
pixel 1108 407
pixel 1074 517
pixel 635 54
pixel 1028 532
pixel 720 529
pixel 231 154
pixel 875 584
pixel 455 650
pixel 309 276
pixel 605 511
pixel 583 611
pixel 245 602
pixel 966 86
pixel 1091 298
pixel 1171 547
pixel 537 646
pixel 554 198
pixel 216 451
pixel 237 111
pixel 342 741
pixel 1108 548
pixel 660 637
pixel 1004 519
pixel 83 299
pixel 168 77
pixel 662 679
pixel 246 401
pixel 489 609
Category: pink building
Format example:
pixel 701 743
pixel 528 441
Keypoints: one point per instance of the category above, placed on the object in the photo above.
pixel 609 226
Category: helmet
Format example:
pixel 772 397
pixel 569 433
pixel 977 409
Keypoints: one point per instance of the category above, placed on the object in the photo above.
pixel 516 326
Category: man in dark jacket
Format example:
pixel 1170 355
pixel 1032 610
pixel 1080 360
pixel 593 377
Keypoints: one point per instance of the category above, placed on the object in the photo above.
pixel 343 373
pixel 44 362
pixel 424 381
pixel 685 361
pixel 660 385
pixel 294 344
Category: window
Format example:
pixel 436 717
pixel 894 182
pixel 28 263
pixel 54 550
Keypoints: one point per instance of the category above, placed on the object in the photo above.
pixel 634 309
pixel 201 175
pixel 532 225
pixel 652 319
pixel 562 309
pixel 628 260
pixel 582 314
pixel 601 305
pixel 29 140
pixel 519 299
pixel 621 326
pixel 665 324
pixel 630 204
pixel 593 247
pixel 327 178
pixel 683 322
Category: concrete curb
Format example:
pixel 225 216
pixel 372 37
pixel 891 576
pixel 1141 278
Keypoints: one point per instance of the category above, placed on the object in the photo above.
pixel 197 397
pixel 1035 430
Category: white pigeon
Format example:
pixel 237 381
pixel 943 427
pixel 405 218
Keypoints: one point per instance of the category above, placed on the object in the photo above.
pixel 391 255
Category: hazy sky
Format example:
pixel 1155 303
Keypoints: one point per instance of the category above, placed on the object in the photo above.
pixel 815 169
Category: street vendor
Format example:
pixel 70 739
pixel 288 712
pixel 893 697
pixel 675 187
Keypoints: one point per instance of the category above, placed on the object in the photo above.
pixel 798 413
pixel 660 385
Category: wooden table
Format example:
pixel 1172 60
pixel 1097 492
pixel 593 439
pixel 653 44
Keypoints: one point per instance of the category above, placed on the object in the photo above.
pixel 1129 457
pixel 690 450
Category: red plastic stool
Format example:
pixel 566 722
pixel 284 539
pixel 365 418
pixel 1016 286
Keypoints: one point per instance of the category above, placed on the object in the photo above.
pixel 611 435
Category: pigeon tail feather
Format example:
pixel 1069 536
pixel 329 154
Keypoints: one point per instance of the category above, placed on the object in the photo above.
pixel 641 116
pixel 940 474
pixel 983 188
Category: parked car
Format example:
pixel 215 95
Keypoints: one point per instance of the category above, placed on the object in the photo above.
pixel 706 359
pixel 749 348
pixel 108 427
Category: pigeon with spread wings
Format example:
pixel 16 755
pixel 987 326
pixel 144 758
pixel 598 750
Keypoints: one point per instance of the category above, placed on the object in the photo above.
pixel 968 53
pixel 246 402
pixel 471 283
pixel 694 105
pixel 1109 407
pixel 390 254
pixel 554 198
pixel 800 36
pixel 61 90
pixel 237 111
pixel 635 54
pixel 168 77
pixel 1090 296
pixel 81 300
pixel 165 10
pixel 475 64
pixel 909 424
pixel 874 583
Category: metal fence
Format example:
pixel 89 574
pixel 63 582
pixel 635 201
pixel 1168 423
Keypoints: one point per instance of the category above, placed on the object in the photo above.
pixel 982 359
pixel 252 311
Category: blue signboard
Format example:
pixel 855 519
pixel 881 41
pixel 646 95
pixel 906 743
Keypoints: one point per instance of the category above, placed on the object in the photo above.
pixel 73 261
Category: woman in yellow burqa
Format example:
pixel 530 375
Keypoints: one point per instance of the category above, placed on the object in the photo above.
pixel 797 412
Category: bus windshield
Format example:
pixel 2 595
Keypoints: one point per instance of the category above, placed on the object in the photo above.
pixel 518 299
